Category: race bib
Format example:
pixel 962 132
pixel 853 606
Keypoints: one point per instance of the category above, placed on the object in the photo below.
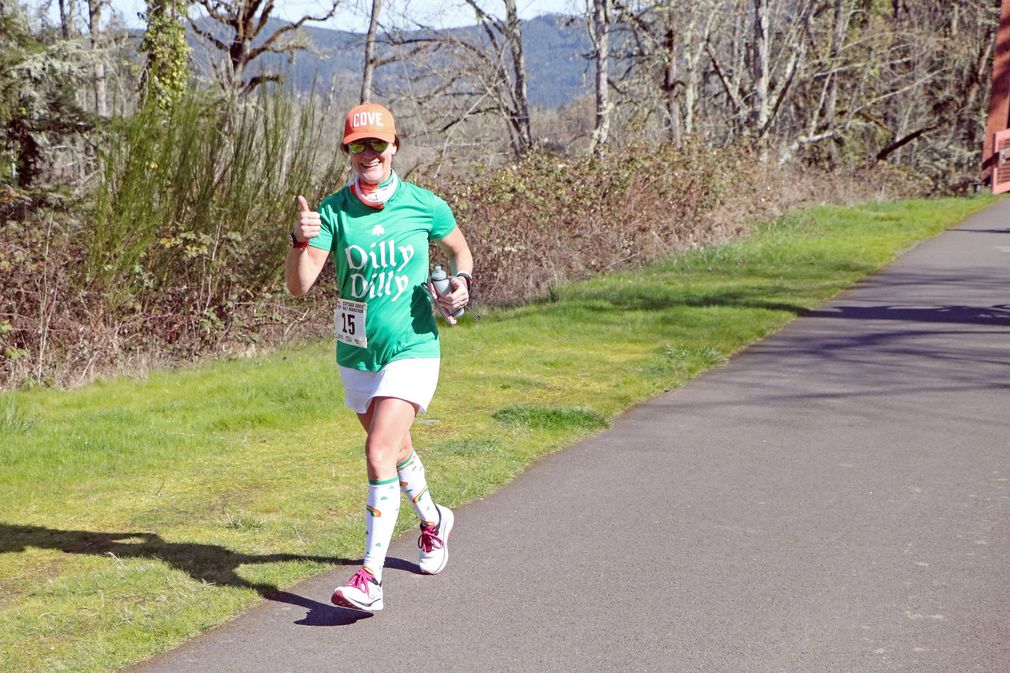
pixel 349 321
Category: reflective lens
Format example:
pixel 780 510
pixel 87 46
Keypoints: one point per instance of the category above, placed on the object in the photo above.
pixel 359 147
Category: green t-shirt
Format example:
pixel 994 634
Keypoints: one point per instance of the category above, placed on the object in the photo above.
pixel 381 259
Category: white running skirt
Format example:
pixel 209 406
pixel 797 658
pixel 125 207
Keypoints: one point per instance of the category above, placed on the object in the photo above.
pixel 413 380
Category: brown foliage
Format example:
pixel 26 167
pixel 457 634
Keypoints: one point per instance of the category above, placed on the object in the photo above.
pixel 546 221
pixel 56 328
pixel 532 225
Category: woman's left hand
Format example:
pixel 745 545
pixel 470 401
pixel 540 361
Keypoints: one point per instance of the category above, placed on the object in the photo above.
pixel 451 302
pixel 461 260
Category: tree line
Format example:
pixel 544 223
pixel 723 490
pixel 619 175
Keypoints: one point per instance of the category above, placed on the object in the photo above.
pixel 830 83
pixel 143 200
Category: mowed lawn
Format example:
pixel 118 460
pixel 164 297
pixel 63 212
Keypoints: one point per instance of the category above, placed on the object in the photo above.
pixel 136 513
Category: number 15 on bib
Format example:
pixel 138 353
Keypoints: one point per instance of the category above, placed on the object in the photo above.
pixel 349 322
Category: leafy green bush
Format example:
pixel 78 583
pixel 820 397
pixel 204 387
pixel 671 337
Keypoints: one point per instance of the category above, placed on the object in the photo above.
pixel 192 211
pixel 180 249
pixel 39 110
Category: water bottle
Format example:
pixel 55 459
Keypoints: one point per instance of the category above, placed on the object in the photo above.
pixel 443 286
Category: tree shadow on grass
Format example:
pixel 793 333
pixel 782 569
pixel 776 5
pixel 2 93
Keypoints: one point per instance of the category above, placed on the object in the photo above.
pixel 212 564
pixel 651 298
pixel 615 300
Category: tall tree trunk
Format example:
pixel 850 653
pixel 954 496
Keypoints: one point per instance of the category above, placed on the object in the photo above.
pixel 693 50
pixel 601 36
pixel 94 21
pixel 670 77
pixel 740 52
pixel 373 26
pixel 521 120
pixel 840 19
pixel 760 67
pixel 66 18
pixel 500 53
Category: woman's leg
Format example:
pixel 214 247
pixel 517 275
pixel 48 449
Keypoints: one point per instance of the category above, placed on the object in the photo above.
pixel 436 520
pixel 406 445
pixel 387 424
pixel 414 484
pixel 391 419
pixel 410 472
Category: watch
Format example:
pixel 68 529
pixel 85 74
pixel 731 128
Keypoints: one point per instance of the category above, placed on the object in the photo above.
pixel 295 243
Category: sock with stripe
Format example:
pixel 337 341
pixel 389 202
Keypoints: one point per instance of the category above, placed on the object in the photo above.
pixel 380 520
pixel 415 487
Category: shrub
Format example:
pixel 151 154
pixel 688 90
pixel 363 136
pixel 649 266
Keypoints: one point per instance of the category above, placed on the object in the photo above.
pixel 546 220
pixel 182 253
pixel 181 250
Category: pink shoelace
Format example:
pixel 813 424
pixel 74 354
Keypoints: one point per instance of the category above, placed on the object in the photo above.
pixel 360 580
pixel 429 540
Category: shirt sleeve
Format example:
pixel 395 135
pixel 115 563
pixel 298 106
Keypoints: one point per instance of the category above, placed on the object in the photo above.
pixel 442 220
pixel 327 228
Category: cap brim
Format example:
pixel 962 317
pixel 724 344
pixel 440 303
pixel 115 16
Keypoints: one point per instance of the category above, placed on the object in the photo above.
pixel 389 137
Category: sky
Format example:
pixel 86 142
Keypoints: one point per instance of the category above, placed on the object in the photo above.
pixel 353 14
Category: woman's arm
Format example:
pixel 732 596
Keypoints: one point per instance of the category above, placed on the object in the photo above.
pixel 302 267
pixel 455 246
pixel 460 261
pixel 303 264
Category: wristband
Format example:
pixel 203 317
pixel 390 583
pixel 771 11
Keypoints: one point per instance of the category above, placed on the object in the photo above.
pixel 467 277
pixel 295 243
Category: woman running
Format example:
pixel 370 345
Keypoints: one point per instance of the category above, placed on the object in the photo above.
pixel 378 228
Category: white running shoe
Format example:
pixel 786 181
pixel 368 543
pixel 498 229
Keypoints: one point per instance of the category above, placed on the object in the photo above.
pixel 361 592
pixel 433 543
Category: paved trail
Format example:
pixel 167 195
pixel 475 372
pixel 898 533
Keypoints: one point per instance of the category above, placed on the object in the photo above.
pixel 835 499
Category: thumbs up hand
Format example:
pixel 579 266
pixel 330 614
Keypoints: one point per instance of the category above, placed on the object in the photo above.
pixel 308 222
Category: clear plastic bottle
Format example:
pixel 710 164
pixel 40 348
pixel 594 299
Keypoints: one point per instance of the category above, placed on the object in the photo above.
pixel 440 281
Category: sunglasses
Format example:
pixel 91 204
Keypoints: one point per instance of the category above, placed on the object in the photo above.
pixel 359 147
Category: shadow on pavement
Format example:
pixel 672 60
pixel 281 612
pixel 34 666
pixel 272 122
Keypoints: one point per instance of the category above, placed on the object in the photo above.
pixel 973 315
pixel 208 563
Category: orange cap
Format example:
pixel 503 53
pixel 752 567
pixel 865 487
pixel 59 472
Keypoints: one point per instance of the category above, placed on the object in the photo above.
pixel 369 121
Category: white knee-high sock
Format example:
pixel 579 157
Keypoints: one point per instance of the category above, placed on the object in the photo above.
pixel 380 520
pixel 415 487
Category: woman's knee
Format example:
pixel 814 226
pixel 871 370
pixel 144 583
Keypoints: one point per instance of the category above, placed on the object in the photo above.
pixel 378 449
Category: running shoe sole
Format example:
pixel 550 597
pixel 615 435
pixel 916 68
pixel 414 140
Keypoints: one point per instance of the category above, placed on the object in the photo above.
pixel 340 600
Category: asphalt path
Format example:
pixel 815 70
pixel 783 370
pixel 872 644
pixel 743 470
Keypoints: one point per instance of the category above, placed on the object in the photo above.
pixel 835 498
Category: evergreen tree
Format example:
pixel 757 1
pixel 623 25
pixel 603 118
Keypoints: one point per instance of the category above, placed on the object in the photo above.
pixel 38 104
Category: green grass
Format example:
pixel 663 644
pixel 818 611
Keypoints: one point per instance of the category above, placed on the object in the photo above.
pixel 542 418
pixel 135 513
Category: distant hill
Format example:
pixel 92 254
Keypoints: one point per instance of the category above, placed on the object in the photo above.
pixel 554 48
